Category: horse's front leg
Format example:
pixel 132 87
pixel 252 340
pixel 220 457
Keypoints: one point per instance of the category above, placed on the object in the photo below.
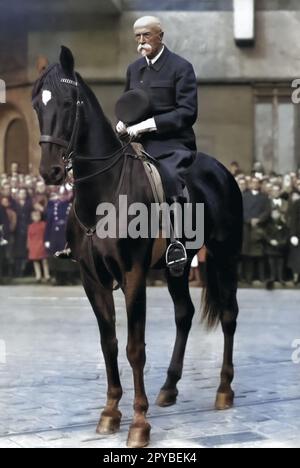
pixel 184 312
pixel 102 302
pixel 135 295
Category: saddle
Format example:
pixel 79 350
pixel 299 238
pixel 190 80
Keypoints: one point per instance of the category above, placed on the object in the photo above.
pixel 153 175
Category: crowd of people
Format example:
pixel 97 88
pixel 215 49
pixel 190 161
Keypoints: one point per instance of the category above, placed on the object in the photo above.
pixel 32 228
pixel 271 246
pixel 33 221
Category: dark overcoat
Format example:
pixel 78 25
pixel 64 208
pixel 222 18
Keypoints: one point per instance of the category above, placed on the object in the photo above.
pixel 172 87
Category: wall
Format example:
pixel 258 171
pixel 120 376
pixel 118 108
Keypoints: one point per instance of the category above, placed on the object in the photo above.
pixel 104 46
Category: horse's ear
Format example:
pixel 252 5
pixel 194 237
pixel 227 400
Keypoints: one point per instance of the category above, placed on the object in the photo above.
pixel 67 60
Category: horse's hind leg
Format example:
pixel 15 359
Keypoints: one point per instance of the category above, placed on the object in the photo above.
pixel 102 302
pixel 225 394
pixel 184 312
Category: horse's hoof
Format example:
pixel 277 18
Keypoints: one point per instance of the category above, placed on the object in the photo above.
pixel 109 422
pixel 139 435
pixel 167 398
pixel 224 401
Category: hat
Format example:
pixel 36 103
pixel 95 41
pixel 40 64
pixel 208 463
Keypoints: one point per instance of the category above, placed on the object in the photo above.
pixel 133 107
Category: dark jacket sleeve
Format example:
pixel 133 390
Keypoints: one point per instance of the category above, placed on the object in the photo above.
pixel 265 210
pixel 185 114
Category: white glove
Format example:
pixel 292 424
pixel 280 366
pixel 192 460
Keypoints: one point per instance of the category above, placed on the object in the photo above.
pixel 47 245
pixel 148 125
pixel 121 128
pixel 274 242
pixel 295 241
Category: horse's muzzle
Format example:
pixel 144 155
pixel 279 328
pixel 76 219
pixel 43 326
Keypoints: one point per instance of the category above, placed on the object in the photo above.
pixel 55 176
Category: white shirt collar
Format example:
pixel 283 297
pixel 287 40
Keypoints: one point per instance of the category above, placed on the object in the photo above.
pixel 156 57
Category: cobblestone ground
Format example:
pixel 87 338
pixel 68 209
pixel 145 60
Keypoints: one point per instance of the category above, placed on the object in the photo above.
pixel 52 378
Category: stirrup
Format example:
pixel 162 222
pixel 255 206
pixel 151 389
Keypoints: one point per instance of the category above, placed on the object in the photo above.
pixel 176 265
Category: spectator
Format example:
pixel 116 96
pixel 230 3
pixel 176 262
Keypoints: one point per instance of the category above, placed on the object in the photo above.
pixel 14 169
pixel 276 238
pixel 256 214
pixel 294 256
pixel 278 202
pixel 9 235
pixel 23 209
pixel 235 168
pixel 36 246
pixel 4 228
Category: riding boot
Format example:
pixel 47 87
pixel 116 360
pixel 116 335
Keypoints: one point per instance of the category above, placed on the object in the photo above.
pixel 176 256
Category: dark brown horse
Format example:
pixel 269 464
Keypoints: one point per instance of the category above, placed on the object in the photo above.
pixel 75 131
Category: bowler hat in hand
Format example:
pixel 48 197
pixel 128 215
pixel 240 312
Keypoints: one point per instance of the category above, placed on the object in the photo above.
pixel 133 107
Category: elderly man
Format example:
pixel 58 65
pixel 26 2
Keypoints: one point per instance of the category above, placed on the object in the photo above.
pixel 166 133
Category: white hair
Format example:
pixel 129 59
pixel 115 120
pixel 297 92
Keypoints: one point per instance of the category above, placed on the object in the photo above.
pixel 145 21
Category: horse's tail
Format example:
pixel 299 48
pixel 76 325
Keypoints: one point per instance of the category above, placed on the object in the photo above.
pixel 222 261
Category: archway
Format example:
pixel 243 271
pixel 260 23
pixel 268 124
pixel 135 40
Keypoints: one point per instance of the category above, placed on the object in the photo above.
pixel 16 145
pixel 14 139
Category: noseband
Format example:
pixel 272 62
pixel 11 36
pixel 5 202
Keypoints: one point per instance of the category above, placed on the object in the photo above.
pixel 70 146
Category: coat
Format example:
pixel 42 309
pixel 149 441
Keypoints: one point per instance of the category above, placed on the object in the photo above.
pixel 259 207
pixel 56 218
pixel 294 255
pixel 36 241
pixel 23 221
pixel 172 87
pixel 4 222
pixel 276 231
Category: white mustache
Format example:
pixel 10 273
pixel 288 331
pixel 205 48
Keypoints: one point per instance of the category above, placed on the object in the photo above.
pixel 144 48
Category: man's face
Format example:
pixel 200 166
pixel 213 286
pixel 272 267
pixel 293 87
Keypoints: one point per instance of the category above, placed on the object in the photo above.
pixel 255 184
pixel 22 195
pixel 242 185
pixel 6 190
pixel 14 167
pixel 276 192
pixel 149 40
pixel 5 202
pixel 40 187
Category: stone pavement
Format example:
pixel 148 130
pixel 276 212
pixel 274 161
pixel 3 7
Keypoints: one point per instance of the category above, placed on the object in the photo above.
pixel 52 378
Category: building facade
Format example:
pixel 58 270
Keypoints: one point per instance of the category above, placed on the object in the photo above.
pixel 245 108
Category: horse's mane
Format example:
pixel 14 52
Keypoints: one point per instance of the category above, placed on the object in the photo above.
pixel 53 79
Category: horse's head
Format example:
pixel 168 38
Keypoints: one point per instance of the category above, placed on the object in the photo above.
pixel 55 99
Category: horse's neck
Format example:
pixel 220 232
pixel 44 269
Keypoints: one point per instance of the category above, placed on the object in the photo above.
pixel 99 140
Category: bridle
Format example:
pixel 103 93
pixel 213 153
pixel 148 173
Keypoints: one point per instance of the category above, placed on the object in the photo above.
pixel 70 146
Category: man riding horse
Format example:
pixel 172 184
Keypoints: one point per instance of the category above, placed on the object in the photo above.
pixel 166 132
